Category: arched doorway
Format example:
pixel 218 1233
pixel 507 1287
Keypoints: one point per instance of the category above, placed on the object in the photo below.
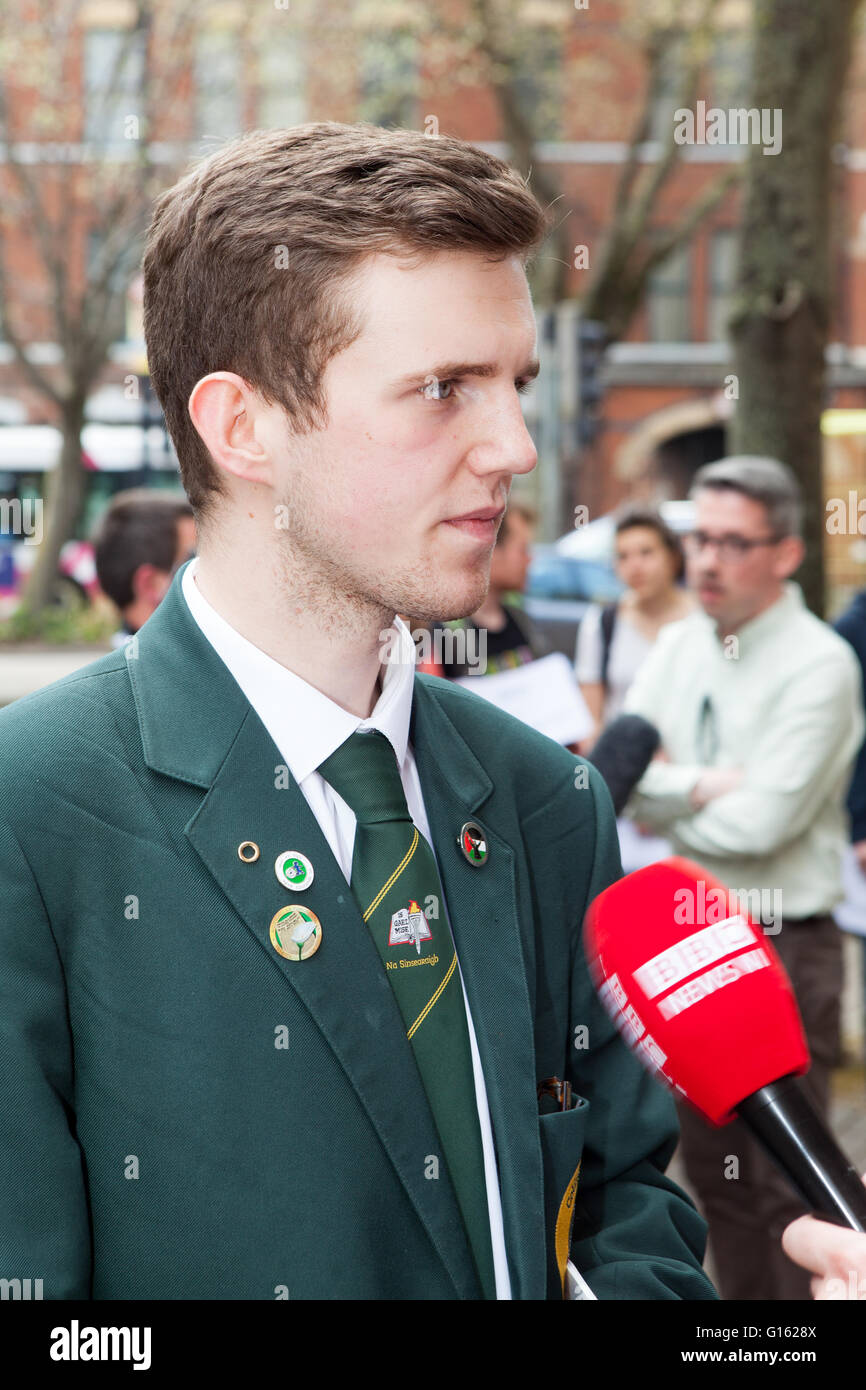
pixel 663 454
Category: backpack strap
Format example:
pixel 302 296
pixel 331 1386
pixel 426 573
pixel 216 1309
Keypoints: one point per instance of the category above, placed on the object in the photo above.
pixel 608 620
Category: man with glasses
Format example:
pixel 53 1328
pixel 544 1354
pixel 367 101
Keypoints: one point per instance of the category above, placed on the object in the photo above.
pixel 760 712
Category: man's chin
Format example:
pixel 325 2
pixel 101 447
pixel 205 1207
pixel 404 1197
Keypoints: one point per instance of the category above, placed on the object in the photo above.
pixel 456 593
pixel 720 614
pixel 444 604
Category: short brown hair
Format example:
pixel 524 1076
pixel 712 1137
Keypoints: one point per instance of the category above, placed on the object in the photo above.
pixel 138 527
pixel 768 481
pixel 246 254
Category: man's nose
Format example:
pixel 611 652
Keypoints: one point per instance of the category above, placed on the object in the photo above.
pixel 506 444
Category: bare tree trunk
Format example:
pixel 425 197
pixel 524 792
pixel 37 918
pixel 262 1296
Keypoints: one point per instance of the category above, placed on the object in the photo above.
pixel 66 487
pixel 781 316
pixel 54 203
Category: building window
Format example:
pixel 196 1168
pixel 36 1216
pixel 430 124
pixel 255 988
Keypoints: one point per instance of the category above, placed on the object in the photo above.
pixel 121 277
pixel 730 70
pixel 538 85
pixel 388 78
pixel 282 97
pixel 666 98
pixel 114 73
pixel 723 269
pixel 217 84
pixel 668 299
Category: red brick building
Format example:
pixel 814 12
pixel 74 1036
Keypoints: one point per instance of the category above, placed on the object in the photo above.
pixel 583 88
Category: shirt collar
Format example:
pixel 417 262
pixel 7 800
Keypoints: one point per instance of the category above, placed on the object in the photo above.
pixel 306 725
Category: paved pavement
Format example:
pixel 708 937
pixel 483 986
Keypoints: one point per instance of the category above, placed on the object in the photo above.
pixel 26 668
pixel 849 1113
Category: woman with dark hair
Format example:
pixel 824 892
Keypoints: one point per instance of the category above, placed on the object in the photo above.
pixel 614 639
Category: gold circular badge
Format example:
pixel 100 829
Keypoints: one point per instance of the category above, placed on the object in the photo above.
pixel 296 932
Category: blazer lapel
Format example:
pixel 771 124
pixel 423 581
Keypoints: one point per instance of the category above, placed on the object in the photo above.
pixel 197 725
pixel 483 910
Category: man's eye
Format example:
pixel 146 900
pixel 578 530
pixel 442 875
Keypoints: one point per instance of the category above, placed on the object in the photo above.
pixel 434 388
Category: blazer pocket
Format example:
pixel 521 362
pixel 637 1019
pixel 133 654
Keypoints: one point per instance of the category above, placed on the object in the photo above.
pixel 562 1136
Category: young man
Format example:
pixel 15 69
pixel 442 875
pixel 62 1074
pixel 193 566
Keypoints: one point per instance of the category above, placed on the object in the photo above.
pixel 254 1047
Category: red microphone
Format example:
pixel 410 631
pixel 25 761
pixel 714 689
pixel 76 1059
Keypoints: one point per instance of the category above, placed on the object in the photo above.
pixel 700 994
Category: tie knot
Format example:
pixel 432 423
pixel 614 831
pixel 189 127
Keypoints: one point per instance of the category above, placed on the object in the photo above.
pixel 364 772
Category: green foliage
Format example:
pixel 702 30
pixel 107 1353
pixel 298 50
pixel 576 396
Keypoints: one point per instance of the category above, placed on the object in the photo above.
pixel 59 626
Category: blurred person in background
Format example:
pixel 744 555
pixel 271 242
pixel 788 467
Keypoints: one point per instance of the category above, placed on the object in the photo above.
pixel 141 539
pixel 614 639
pixel 760 712
pixel 851 914
pixel 511 636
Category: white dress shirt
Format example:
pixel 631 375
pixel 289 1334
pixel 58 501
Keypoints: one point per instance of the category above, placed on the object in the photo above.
pixel 307 727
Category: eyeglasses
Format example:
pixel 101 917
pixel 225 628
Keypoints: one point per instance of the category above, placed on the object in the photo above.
pixel 729 547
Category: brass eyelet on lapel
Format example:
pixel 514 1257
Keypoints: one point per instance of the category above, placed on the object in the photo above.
pixel 248 851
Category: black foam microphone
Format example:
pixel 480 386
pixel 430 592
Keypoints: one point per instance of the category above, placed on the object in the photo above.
pixel 622 753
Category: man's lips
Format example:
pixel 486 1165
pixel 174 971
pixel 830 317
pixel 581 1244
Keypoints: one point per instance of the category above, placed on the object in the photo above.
pixel 483 514
pixel 480 525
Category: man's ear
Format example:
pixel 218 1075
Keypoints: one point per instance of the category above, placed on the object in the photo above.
pixel 225 409
pixel 790 554
pixel 150 583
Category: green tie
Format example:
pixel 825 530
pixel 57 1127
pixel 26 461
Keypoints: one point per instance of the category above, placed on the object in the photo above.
pixel 394 874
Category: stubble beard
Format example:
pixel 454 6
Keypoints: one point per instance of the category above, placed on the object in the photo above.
pixel 313 576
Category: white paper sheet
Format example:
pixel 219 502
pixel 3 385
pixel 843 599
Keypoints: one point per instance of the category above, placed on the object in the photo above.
pixel 850 914
pixel 543 693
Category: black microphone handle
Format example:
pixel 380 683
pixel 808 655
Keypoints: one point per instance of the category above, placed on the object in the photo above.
pixel 785 1122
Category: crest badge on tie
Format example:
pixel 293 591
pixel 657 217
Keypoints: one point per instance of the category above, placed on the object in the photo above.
pixel 409 927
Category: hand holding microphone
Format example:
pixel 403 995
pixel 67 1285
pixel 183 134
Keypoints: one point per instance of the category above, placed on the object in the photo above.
pixel 700 994
pixel 836 1257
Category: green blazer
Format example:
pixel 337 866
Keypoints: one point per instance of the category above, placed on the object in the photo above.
pixel 185 1114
